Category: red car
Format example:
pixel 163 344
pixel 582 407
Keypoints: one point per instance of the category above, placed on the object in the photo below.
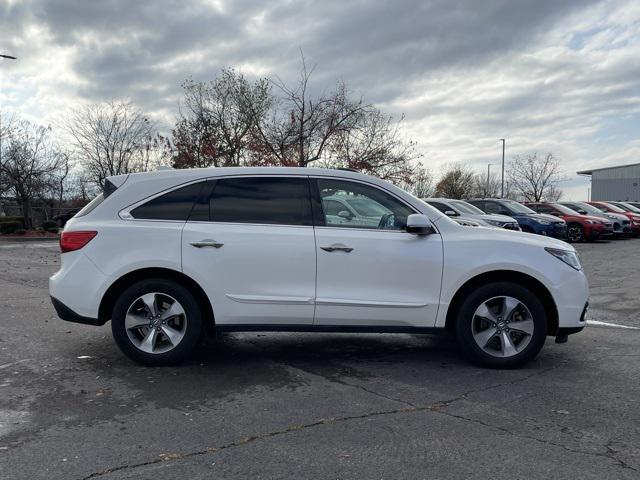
pixel 580 228
pixel 634 218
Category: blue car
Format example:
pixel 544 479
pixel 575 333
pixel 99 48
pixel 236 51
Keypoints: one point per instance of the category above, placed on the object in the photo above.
pixel 528 220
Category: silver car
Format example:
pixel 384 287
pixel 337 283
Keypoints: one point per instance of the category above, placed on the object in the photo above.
pixel 459 209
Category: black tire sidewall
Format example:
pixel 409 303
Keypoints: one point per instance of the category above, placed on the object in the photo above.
pixel 483 293
pixel 192 335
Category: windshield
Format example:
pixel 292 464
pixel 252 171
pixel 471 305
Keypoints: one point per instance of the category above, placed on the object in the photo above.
pixel 367 208
pixel 465 207
pixel 613 207
pixel 564 209
pixel 517 207
pixel 631 207
pixel 589 208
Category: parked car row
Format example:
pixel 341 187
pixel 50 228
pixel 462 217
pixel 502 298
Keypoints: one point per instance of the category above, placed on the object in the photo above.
pixel 573 221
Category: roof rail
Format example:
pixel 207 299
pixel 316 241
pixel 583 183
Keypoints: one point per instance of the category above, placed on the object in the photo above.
pixel 164 167
pixel 347 169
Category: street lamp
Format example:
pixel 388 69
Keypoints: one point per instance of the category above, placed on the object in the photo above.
pixel 8 57
pixel 502 179
pixel 486 189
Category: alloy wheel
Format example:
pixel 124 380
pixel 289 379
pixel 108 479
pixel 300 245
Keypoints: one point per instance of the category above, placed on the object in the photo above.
pixel 574 233
pixel 155 322
pixel 502 326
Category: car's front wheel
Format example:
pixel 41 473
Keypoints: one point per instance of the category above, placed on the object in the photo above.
pixel 156 322
pixel 501 325
pixel 575 233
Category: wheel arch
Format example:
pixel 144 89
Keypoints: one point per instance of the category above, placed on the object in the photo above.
pixel 121 284
pixel 520 278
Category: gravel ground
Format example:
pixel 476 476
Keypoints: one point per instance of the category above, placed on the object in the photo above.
pixel 316 405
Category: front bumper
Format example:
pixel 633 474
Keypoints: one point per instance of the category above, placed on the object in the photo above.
pixel 555 230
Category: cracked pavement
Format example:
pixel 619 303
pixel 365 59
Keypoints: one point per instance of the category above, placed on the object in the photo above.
pixel 341 406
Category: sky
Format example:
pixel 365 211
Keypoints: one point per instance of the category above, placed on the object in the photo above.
pixel 546 75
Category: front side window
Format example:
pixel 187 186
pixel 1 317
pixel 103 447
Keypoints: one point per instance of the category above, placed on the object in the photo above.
pixel 174 205
pixel 261 200
pixel 496 208
pixel 374 208
pixel 440 206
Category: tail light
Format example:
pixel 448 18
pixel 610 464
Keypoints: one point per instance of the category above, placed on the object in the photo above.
pixel 70 241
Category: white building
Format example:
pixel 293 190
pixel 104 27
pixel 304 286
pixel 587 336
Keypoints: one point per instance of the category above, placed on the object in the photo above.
pixel 621 183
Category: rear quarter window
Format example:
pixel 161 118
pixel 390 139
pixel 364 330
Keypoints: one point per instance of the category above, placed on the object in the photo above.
pixel 174 205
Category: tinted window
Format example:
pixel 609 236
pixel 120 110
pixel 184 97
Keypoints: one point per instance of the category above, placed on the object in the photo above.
pixel 479 204
pixel 175 205
pixel 495 207
pixel 264 200
pixel 375 208
pixel 440 206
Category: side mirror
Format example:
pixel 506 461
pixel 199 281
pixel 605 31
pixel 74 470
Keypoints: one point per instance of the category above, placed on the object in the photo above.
pixel 346 214
pixel 419 224
pixel 450 213
pixel 582 212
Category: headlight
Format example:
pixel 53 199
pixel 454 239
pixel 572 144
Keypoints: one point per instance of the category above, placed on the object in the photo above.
pixel 543 222
pixel 496 223
pixel 570 258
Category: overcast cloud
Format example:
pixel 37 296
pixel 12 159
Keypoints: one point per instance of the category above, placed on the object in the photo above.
pixel 548 75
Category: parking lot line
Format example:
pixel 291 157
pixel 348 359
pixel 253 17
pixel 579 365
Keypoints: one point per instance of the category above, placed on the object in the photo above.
pixel 614 325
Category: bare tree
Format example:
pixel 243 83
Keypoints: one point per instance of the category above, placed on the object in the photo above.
pixel 217 118
pixel 421 183
pixel 486 187
pixel 29 164
pixel 300 127
pixel 535 178
pixel 457 181
pixel 374 145
pixel 110 138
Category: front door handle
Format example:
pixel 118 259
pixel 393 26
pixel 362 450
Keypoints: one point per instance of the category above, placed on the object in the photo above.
pixel 337 247
pixel 208 243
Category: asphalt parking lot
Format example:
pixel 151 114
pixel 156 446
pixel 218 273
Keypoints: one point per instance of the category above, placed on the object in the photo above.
pixel 334 406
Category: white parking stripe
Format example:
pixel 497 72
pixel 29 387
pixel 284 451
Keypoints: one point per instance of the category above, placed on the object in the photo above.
pixel 615 325
pixel 31 245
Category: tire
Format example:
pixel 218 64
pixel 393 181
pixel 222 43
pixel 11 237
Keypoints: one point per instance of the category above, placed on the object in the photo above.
pixel 575 233
pixel 526 328
pixel 176 330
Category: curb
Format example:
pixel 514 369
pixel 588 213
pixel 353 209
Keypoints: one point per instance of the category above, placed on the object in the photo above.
pixel 28 239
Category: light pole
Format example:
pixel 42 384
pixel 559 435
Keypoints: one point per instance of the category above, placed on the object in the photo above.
pixel 486 189
pixel 8 57
pixel 502 178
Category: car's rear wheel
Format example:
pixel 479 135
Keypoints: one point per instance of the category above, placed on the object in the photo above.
pixel 501 325
pixel 575 233
pixel 156 322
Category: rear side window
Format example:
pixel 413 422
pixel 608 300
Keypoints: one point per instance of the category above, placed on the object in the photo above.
pixel 174 205
pixel 263 200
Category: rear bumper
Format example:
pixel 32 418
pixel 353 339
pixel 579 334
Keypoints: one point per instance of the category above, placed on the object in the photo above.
pixel 65 313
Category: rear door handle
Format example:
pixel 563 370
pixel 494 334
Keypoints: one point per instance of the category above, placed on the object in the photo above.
pixel 207 244
pixel 337 247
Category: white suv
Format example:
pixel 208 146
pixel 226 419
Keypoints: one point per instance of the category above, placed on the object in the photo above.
pixel 166 254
